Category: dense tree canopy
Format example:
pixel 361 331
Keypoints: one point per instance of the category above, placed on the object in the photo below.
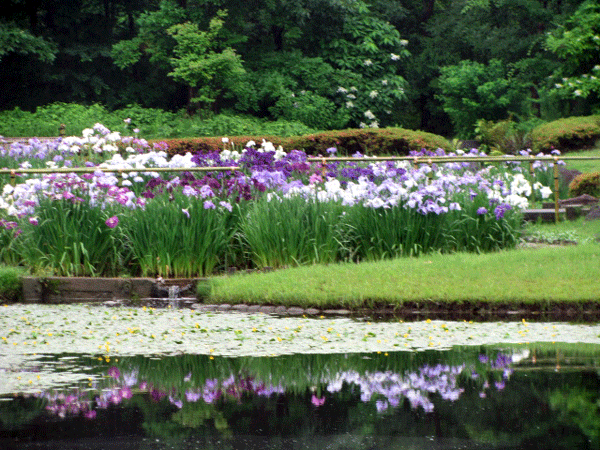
pixel 437 66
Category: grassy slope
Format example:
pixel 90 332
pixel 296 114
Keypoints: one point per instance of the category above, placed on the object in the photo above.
pixel 530 275
pixel 527 275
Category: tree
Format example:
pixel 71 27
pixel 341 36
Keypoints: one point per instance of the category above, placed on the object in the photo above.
pixel 471 91
pixel 577 44
pixel 18 40
pixel 200 62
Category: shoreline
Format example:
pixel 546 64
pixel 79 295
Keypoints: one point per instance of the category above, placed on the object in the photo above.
pixel 181 293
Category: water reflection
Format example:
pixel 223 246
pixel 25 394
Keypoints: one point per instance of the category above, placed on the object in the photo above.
pixel 526 396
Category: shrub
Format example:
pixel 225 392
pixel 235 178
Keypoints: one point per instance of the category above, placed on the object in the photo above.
pixel 504 136
pixel 46 120
pixel 11 285
pixel 152 123
pixel 585 183
pixel 470 91
pixel 369 141
pixel 311 109
pixel 567 134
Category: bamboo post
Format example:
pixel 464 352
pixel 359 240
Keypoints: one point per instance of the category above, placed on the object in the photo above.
pixel 556 193
pixel 531 175
pixel 324 168
pixel 430 174
pixel 13 178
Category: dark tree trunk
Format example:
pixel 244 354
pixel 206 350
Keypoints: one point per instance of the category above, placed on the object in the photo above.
pixel 428 8
pixel 277 33
pixel 536 104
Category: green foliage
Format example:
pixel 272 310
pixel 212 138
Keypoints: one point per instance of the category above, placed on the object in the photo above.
pixel 505 136
pixel 152 39
pixel 312 110
pixel 585 183
pixel 11 284
pixel 291 86
pixel 70 239
pixel 371 141
pixel 567 134
pixel 46 120
pixel 292 232
pixel 368 54
pixel 577 43
pixel 152 122
pixel 17 40
pixel 164 241
pixel 471 91
pixel 202 63
pixel 383 141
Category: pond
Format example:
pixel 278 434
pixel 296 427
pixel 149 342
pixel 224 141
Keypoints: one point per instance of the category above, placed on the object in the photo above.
pixel 125 378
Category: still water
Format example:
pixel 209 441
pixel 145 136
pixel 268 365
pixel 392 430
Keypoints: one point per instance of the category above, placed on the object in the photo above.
pixel 541 395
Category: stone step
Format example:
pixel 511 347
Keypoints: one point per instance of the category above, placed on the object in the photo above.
pixel 545 214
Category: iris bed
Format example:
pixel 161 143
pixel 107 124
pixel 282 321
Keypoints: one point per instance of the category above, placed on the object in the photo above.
pixel 277 209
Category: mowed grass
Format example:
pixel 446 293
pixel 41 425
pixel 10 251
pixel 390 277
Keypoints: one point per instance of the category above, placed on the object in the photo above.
pixel 587 165
pixel 539 274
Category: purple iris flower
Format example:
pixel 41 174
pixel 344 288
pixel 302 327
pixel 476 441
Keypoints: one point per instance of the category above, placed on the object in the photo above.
pixel 112 222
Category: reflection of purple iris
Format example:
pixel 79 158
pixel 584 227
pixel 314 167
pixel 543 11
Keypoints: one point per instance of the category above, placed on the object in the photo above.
pixel 317 401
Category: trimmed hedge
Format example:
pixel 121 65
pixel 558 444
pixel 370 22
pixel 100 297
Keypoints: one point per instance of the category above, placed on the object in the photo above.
pixel 572 133
pixel 11 283
pixel 371 141
pixel 585 183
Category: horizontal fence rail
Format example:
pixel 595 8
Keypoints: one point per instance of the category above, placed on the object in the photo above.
pixel 415 160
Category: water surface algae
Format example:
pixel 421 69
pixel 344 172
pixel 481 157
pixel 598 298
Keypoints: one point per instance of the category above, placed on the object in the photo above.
pixel 30 333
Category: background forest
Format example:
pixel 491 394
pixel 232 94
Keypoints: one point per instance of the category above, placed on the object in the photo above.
pixel 432 65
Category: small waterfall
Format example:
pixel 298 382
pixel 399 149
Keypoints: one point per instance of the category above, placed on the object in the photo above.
pixel 174 296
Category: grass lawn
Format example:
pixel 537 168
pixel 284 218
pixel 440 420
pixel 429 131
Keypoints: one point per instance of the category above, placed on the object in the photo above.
pixel 588 165
pixel 528 274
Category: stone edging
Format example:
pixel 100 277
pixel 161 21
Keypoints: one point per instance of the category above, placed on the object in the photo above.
pixel 136 292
